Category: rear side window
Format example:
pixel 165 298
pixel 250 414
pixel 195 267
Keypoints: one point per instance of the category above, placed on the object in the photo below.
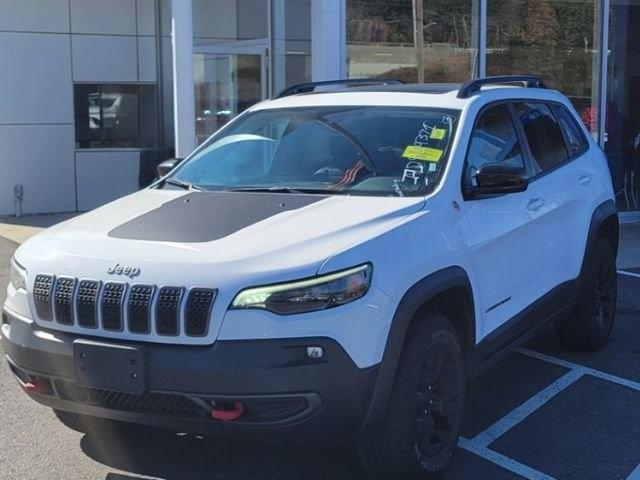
pixel 494 140
pixel 576 143
pixel 543 134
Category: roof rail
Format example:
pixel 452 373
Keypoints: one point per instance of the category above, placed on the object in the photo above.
pixel 313 86
pixel 472 86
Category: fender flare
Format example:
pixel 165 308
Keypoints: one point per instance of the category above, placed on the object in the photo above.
pixel 602 213
pixel 422 291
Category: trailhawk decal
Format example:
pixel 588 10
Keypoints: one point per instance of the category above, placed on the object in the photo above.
pixel 208 216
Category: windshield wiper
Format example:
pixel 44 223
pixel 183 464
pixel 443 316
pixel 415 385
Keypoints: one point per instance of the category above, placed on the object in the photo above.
pixel 182 184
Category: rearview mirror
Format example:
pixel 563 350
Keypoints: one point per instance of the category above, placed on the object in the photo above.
pixel 497 179
pixel 165 167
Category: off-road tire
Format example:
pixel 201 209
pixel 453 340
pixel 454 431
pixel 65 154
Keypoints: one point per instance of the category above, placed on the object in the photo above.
pixel 395 452
pixel 589 326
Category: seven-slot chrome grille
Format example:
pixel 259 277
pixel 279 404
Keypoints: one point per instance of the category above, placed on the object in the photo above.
pixel 123 307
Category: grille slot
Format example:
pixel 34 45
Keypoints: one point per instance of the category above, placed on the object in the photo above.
pixel 123 307
pixel 168 310
pixel 86 303
pixel 63 300
pixel 139 309
pixel 198 311
pixel 42 295
pixel 112 299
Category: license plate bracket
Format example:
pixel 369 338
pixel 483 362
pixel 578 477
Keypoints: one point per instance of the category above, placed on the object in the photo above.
pixel 121 368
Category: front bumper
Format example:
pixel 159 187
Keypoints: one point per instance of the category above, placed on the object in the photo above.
pixel 286 395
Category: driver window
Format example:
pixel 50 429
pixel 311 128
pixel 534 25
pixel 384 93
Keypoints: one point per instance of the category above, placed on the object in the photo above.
pixel 494 140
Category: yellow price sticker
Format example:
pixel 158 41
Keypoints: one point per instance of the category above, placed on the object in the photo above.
pixel 438 133
pixel 425 154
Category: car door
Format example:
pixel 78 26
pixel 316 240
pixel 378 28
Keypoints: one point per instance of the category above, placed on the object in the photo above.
pixel 561 187
pixel 503 244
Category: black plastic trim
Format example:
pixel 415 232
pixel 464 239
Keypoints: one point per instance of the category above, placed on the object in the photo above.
pixel 553 305
pixel 424 290
pixel 603 212
pixel 472 86
pixel 338 391
pixel 349 82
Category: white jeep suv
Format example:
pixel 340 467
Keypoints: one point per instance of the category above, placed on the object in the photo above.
pixel 331 265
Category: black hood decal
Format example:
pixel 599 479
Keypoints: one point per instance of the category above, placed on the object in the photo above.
pixel 208 216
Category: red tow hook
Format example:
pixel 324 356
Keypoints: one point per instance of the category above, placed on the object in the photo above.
pixel 35 387
pixel 228 415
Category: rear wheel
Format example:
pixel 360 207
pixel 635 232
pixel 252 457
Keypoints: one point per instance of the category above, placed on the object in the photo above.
pixel 589 326
pixel 420 432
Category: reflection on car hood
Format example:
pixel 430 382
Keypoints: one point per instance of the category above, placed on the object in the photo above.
pixel 232 231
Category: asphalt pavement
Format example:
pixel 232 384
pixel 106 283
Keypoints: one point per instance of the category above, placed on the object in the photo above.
pixel 542 412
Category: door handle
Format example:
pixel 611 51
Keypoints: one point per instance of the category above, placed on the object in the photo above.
pixel 535 204
pixel 584 179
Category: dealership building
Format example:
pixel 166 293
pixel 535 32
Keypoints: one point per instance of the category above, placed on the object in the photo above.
pixel 94 93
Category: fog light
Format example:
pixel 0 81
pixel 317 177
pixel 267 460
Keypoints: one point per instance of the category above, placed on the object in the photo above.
pixel 315 352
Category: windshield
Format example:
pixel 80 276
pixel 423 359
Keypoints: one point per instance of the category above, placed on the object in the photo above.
pixel 387 151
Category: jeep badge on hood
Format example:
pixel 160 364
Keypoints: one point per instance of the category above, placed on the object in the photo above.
pixel 117 269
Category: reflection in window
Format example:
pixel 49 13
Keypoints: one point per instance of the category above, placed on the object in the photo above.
pixel 122 116
pixel 543 134
pixel 381 41
pixel 557 39
pixel 494 140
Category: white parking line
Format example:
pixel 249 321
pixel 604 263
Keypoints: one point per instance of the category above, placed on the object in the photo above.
pixel 635 475
pixel 480 444
pixel 581 368
pixel 511 419
pixel 629 274
pixel 502 461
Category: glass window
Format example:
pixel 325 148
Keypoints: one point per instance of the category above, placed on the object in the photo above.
pixel 224 20
pixel 112 115
pixel 355 150
pixel 543 134
pixel 291 43
pixel 382 40
pixel 494 140
pixel 622 124
pixel 556 39
pixel 225 85
pixel 576 143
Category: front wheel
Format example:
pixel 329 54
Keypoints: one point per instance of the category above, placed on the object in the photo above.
pixel 589 326
pixel 420 431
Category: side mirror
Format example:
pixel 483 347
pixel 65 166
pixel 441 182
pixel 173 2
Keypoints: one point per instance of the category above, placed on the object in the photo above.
pixel 165 167
pixel 497 179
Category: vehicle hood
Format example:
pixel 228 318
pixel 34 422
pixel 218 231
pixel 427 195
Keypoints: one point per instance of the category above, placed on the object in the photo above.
pixel 172 236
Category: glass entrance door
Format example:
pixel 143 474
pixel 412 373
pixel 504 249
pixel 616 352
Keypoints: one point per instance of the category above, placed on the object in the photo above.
pixel 622 127
pixel 226 84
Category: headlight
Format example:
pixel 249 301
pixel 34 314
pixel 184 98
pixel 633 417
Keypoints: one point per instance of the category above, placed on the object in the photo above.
pixel 17 275
pixel 307 295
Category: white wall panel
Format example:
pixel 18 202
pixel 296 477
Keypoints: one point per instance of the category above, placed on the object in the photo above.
pixel 35 78
pixel 146 17
pixel 104 176
pixel 39 157
pixel 99 58
pixel 103 16
pixel 34 15
pixel 147 59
